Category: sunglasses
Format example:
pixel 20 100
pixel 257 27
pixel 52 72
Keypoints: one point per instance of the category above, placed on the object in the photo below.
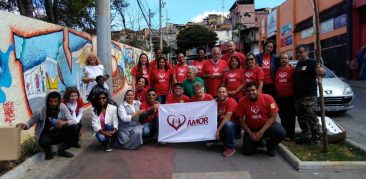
pixel 251 58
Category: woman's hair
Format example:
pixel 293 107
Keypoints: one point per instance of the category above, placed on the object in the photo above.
pixel 146 82
pixel 96 57
pixel 124 98
pixel 139 64
pixel 234 58
pixel 166 64
pixel 247 57
pixel 268 42
pixel 68 92
pixel 98 107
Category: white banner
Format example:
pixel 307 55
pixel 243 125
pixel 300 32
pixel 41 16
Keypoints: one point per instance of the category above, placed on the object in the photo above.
pixel 187 122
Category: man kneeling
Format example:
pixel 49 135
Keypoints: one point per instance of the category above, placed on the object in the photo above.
pixel 54 125
pixel 258 114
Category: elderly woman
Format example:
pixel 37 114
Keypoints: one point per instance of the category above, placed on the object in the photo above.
pixel 129 134
pixel 93 69
pixel 200 93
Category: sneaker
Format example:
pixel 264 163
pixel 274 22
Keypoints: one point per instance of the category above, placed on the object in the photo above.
pixel 107 147
pixel 228 152
pixel 64 153
pixel 162 143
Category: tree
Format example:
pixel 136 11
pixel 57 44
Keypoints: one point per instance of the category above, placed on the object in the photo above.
pixel 196 36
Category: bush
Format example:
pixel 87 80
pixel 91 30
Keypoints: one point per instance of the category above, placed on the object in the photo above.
pixel 29 147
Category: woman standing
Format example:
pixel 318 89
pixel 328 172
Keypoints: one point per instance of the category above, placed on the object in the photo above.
pixel 268 62
pixel 129 134
pixel 93 69
pixel 141 89
pixel 180 70
pixel 161 80
pixel 75 104
pixel 252 72
pixel 142 69
pixel 104 120
pixel 233 79
pixel 285 95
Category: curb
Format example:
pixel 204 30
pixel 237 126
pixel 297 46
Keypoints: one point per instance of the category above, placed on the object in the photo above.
pixel 322 165
pixel 19 170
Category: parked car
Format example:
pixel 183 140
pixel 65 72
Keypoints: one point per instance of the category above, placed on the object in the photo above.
pixel 338 95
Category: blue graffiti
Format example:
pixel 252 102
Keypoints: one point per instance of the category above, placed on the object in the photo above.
pixel 5 76
pixel 76 42
pixel 122 66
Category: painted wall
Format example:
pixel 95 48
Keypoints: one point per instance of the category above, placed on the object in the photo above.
pixel 38 57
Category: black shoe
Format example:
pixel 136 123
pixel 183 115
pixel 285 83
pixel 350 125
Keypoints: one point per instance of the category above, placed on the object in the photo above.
pixel 271 152
pixel 49 155
pixel 107 147
pixel 77 145
pixel 64 153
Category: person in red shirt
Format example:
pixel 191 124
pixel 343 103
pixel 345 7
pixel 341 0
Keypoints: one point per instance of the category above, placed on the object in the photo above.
pixel 232 52
pixel 233 79
pixel 180 70
pixel 150 116
pixel 199 89
pixel 268 62
pixel 158 55
pixel 198 63
pixel 213 72
pixel 142 69
pixel 226 120
pixel 253 73
pixel 141 89
pixel 257 113
pixel 177 96
pixel 285 95
pixel 161 79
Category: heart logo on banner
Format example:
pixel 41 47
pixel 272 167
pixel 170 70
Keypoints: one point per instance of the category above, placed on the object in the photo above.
pixel 176 121
pixel 282 74
pixel 254 109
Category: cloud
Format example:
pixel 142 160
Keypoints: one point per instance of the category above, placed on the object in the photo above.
pixel 200 17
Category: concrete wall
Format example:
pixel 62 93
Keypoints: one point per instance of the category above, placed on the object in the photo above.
pixel 38 57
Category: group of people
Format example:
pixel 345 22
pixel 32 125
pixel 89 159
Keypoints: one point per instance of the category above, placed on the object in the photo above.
pixel 250 91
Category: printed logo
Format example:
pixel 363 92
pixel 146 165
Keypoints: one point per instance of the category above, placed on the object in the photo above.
pixel 248 74
pixel 232 75
pixel 182 70
pixel 282 74
pixel 254 109
pixel 199 66
pixel 161 75
pixel 176 121
pixel 216 68
pixel 266 62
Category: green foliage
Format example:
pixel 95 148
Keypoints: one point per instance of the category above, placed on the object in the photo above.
pixel 337 152
pixel 196 36
pixel 29 147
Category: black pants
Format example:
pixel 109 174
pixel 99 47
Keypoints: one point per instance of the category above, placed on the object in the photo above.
pixel 287 114
pixel 275 133
pixel 269 89
pixel 66 135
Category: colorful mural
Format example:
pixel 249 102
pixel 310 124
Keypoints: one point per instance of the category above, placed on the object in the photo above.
pixel 37 57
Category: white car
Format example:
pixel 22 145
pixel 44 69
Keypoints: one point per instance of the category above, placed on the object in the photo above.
pixel 338 95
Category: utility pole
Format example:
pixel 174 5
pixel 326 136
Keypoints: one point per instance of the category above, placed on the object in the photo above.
pixel 104 37
pixel 167 31
pixel 319 63
pixel 160 24
pixel 150 34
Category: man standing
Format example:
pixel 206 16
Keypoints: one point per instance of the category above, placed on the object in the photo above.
pixel 198 62
pixel 258 114
pixel 177 96
pixel 226 129
pixel 306 96
pixel 213 71
pixel 232 52
pixel 191 80
pixel 54 125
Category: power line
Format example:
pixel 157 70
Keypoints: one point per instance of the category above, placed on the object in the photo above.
pixel 146 19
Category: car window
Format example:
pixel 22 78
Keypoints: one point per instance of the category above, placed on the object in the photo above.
pixel 328 73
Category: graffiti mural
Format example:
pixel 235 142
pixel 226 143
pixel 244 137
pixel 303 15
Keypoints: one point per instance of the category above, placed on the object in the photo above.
pixel 37 57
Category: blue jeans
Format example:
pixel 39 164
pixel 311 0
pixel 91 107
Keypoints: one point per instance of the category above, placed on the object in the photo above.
pixel 102 138
pixel 150 128
pixel 227 134
pixel 161 99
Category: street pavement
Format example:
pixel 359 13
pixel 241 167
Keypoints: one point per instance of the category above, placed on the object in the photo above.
pixel 192 160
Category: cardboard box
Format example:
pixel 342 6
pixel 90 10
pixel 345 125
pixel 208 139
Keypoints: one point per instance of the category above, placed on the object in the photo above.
pixel 9 143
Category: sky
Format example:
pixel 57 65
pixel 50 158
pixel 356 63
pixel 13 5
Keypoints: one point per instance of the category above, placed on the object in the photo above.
pixel 183 11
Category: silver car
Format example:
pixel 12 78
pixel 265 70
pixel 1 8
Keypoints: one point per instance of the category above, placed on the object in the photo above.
pixel 338 95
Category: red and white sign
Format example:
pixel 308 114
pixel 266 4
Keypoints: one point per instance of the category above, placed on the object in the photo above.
pixel 187 122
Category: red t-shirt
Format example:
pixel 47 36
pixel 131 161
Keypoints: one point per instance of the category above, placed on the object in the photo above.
pixel 253 75
pixel 228 55
pixel 146 106
pixel 232 80
pixel 161 80
pixel 153 65
pixel 171 99
pixel 141 95
pixel 199 65
pixel 256 112
pixel 145 73
pixel 284 81
pixel 229 105
pixel 266 67
pixel 180 72
pixel 207 97
pixel 210 68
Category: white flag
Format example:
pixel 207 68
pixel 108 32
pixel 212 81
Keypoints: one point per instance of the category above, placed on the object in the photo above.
pixel 187 122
